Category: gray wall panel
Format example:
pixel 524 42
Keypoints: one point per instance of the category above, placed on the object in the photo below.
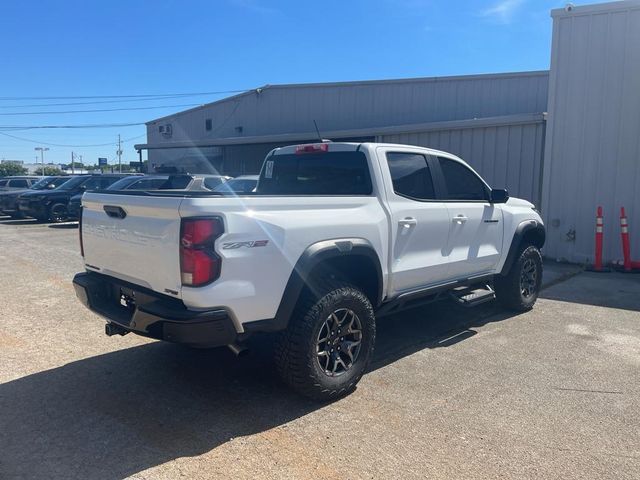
pixel 292 108
pixel 507 156
pixel 592 154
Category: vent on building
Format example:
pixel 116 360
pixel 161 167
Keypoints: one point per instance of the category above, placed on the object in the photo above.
pixel 207 124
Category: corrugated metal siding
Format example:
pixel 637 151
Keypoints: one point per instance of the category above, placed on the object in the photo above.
pixel 593 152
pixel 507 156
pixel 345 106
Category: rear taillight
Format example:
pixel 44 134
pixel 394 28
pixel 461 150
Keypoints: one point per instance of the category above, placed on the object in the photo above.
pixel 199 263
pixel 80 231
pixel 312 148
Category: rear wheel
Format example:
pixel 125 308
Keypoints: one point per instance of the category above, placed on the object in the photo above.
pixel 328 344
pixel 58 212
pixel 519 289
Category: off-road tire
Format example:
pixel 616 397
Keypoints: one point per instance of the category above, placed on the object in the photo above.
pixel 509 291
pixel 295 349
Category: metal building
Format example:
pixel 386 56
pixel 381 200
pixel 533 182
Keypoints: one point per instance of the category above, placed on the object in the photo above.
pixel 496 122
pixel 586 154
pixel 592 152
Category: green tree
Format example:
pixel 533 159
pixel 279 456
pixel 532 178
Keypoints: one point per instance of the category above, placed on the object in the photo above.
pixel 48 170
pixel 8 169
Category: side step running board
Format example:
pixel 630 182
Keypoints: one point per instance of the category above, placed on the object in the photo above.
pixel 470 297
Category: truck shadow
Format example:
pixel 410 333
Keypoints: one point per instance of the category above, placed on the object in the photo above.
pixel 110 416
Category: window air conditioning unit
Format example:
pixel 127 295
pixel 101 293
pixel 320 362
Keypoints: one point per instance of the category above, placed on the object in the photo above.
pixel 165 130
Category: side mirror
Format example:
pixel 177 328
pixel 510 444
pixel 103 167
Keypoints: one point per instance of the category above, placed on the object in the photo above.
pixel 499 195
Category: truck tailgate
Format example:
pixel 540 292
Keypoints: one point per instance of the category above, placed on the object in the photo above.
pixel 133 238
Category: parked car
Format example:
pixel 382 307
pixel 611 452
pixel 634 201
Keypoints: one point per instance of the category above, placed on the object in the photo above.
pixel 174 183
pixel 52 205
pixel 9 200
pixel 136 182
pixel 241 184
pixel 194 182
pixel 17 183
pixel 335 235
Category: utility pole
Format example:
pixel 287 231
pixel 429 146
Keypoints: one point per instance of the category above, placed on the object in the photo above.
pixel 72 169
pixel 42 150
pixel 119 152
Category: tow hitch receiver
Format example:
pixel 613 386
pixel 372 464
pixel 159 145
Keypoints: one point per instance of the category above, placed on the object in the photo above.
pixel 112 329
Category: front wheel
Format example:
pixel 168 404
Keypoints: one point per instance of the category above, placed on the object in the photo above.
pixel 519 289
pixel 58 212
pixel 328 344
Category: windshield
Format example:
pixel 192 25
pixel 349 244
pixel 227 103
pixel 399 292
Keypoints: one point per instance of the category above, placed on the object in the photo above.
pixel 122 183
pixel 40 184
pixel 73 183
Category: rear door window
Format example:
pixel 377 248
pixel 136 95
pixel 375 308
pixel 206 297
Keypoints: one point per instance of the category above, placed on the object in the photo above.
pixel 410 175
pixel 92 183
pixel 3 183
pixel 108 181
pixel 325 173
pixel 19 183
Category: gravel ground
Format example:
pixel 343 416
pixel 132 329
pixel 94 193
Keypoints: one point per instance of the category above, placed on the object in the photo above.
pixel 452 392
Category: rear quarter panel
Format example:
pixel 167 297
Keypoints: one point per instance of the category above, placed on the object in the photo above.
pixel 253 278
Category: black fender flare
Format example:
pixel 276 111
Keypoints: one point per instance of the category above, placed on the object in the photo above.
pixel 523 229
pixel 313 256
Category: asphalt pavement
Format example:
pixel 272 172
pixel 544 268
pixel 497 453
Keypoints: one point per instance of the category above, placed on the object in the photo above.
pixel 452 393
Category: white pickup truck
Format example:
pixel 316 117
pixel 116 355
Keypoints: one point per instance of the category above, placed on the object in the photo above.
pixel 334 235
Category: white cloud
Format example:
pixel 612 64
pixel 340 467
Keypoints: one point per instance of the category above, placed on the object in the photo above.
pixel 502 11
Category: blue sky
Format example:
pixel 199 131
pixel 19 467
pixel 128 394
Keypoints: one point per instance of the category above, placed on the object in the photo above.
pixel 88 48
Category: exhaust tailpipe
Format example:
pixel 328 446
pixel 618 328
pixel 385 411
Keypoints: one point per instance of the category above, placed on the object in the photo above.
pixel 238 349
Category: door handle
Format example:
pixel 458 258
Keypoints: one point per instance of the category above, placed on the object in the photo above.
pixel 408 222
pixel 460 219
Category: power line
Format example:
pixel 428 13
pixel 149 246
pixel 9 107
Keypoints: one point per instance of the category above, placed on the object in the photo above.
pixel 60 112
pixel 68 145
pixel 89 125
pixel 126 96
pixel 65 104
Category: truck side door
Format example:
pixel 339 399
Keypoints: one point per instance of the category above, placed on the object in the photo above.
pixel 476 226
pixel 419 222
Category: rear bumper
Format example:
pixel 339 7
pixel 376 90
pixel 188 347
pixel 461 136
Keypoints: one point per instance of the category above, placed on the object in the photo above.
pixel 151 314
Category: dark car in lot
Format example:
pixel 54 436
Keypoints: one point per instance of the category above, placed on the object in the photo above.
pixel 53 205
pixel 174 183
pixel 137 182
pixel 194 182
pixel 9 199
pixel 17 183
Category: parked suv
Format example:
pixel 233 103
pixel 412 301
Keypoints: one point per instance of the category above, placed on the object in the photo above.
pixel 9 200
pixel 335 235
pixel 135 182
pixel 52 205
pixel 17 183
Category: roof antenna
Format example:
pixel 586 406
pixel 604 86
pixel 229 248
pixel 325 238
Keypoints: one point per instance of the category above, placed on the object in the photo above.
pixel 317 130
